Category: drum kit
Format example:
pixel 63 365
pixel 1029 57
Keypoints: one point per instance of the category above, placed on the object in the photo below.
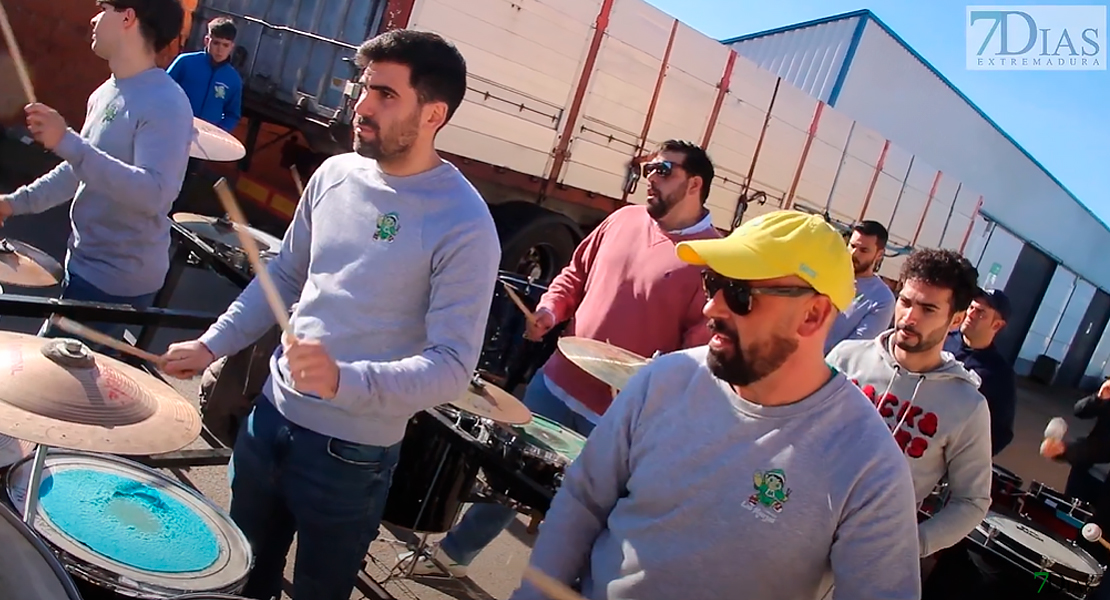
pixel 1027 534
pixel 80 522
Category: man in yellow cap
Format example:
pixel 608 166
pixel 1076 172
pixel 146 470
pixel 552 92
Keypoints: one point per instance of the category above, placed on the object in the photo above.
pixel 746 467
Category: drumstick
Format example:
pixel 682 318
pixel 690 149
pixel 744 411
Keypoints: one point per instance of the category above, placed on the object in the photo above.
pixel 17 56
pixel 297 179
pixel 519 303
pixel 97 337
pixel 552 588
pixel 227 198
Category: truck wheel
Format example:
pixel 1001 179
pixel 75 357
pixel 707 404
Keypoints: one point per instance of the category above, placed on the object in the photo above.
pixel 535 243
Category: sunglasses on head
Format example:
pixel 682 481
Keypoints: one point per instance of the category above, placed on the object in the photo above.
pixel 663 168
pixel 738 293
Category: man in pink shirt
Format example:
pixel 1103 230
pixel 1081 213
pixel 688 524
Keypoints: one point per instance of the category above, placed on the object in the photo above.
pixel 624 285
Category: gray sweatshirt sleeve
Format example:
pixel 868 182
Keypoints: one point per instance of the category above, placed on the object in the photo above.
pixel 591 487
pixel 969 486
pixel 464 272
pixel 56 187
pixel 250 316
pixel 873 554
pixel 874 322
pixel 161 157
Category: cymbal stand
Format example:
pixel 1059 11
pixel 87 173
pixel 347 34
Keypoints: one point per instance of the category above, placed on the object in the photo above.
pixel 31 502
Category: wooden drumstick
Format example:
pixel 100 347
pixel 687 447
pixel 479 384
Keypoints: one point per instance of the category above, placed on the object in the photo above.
pixel 250 247
pixel 297 179
pixel 97 337
pixel 17 56
pixel 552 588
pixel 519 303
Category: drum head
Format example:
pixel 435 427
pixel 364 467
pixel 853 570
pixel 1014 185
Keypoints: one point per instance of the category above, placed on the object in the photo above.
pixel 1026 540
pixel 27 569
pixel 553 437
pixel 123 526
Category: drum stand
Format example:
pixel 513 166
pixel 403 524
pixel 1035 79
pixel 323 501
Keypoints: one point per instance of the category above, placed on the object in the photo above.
pixel 31 502
pixel 421 550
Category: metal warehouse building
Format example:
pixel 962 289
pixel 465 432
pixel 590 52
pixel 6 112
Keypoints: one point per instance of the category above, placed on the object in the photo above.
pixel 1032 237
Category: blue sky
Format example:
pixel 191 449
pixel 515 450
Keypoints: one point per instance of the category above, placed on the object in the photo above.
pixel 1061 118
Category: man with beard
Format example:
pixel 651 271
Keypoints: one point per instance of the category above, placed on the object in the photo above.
pixel 624 286
pixel 873 306
pixel 930 401
pixel 973 345
pixel 745 468
pixel 391 259
pixel 124 169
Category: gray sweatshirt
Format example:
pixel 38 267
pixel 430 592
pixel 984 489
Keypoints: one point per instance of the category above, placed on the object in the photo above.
pixel 942 423
pixel 123 172
pixel 687 491
pixel 869 315
pixel 395 275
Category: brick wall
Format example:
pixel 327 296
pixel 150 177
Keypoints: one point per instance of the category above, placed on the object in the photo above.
pixel 55 37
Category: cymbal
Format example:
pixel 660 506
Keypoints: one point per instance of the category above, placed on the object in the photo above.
pixel 23 265
pixel 484 399
pixel 612 365
pixel 223 231
pixel 59 393
pixel 214 144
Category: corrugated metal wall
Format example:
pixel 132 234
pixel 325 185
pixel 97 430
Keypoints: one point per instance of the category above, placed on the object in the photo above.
pixel 811 59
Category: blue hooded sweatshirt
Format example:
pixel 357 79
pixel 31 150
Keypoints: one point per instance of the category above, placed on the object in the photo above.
pixel 215 91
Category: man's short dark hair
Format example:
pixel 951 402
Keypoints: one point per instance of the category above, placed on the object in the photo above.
pixel 438 69
pixel 944 269
pixel 222 28
pixel 873 229
pixel 160 21
pixel 695 162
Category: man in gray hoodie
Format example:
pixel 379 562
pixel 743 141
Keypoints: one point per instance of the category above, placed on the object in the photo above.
pixel 929 400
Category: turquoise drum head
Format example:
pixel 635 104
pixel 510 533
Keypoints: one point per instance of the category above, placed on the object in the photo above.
pixel 553 437
pixel 112 519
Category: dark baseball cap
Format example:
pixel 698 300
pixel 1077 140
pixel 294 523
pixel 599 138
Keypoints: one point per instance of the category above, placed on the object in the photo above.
pixel 998 301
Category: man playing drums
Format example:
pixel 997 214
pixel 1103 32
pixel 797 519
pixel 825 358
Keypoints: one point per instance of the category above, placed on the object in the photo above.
pixel 747 468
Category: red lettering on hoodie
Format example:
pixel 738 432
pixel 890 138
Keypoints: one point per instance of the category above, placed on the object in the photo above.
pixel 917 425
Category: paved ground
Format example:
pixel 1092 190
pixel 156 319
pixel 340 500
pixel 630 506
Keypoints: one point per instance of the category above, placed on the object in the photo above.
pixel 497 571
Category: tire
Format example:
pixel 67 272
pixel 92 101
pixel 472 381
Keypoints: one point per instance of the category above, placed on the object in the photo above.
pixel 535 242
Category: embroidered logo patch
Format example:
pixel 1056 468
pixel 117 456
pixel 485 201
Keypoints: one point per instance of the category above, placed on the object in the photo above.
pixel 220 90
pixel 388 226
pixel 111 112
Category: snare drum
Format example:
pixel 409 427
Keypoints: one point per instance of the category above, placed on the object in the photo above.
pixel 1005 488
pixel 28 570
pixel 540 451
pixel 1062 514
pixel 127 531
pixel 1034 549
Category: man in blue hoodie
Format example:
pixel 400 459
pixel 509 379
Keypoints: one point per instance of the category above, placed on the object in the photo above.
pixel 214 87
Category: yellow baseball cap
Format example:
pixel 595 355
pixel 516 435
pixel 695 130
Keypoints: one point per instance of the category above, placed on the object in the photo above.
pixel 781 244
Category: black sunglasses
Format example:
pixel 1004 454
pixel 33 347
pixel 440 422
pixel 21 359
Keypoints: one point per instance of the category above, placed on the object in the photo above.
pixel 738 293
pixel 663 167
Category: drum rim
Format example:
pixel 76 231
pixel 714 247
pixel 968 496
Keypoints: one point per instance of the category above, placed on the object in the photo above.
pixel 1037 488
pixel 147 584
pixel 40 546
pixel 1083 579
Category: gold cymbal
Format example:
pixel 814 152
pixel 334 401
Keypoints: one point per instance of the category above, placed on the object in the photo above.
pixel 23 265
pixel 484 399
pixel 223 231
pixel 608 363
pixel 60 393
pixel 214 144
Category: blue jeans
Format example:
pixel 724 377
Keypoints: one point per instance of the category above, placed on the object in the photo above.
pixel 331 493
pixel 484 522
pixel 76 288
